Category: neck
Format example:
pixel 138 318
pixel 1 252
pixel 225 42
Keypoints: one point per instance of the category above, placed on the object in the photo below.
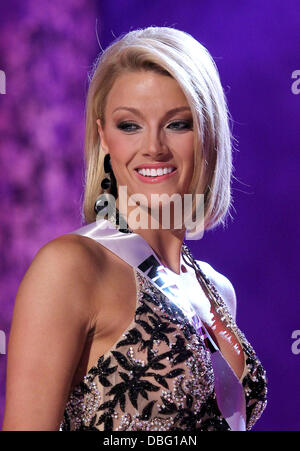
pixel 166 243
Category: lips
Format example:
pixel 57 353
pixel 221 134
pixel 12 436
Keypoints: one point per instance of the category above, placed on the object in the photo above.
pixel 151 172
pixel 154 173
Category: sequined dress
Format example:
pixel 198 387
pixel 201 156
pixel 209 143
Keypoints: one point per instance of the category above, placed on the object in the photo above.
pixel 159 376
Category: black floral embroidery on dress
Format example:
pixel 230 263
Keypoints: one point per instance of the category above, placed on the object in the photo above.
pixel 103 371
pixel 132 383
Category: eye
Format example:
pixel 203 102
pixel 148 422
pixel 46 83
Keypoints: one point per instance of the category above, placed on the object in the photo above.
pixel 128 126
pixel 181 125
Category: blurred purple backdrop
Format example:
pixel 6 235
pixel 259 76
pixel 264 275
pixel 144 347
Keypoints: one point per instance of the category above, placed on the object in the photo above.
pixel 46 51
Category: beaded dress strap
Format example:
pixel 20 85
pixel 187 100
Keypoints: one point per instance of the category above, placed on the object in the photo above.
pixel 226 320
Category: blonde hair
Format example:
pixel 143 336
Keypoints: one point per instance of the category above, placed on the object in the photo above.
pixel 175 53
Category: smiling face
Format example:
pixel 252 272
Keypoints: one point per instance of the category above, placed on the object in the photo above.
pixel 149 134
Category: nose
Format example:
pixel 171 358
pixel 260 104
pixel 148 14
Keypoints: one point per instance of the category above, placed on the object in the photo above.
pixel 154 145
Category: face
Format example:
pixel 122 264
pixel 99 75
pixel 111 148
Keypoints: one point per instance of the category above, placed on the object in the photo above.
pixel 149 134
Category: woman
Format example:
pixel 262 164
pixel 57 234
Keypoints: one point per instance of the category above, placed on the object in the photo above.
pixel 116 326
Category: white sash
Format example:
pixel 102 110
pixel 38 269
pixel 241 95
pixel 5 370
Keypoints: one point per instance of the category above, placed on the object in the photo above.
pixel 184 291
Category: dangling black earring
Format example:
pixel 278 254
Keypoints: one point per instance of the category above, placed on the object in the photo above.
pixel 106 184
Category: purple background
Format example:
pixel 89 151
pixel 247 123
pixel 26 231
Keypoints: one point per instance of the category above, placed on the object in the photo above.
pixel 46 51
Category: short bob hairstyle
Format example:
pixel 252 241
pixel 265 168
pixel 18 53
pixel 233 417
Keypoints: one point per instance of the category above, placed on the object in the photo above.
pixel 177 54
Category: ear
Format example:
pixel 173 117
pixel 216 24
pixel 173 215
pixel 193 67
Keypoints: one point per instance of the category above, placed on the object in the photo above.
pixel 102 136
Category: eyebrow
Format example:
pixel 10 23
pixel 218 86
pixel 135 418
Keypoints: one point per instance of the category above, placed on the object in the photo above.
pixel 168 113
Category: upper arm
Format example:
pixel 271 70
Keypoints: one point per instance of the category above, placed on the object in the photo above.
pixel 223 286
pixel 50 323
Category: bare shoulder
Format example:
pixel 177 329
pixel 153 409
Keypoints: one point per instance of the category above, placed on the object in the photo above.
pixel 64 270
pixel 222 284
pixel 74 255
pixel 76 250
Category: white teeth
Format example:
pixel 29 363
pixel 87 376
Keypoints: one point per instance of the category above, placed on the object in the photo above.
pixel 155 172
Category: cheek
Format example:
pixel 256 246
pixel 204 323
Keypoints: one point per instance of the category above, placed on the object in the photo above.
pixel 119 148
pixel 185 150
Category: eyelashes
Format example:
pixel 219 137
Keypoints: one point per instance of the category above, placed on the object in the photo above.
pixel 182 125
pixel 128 126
